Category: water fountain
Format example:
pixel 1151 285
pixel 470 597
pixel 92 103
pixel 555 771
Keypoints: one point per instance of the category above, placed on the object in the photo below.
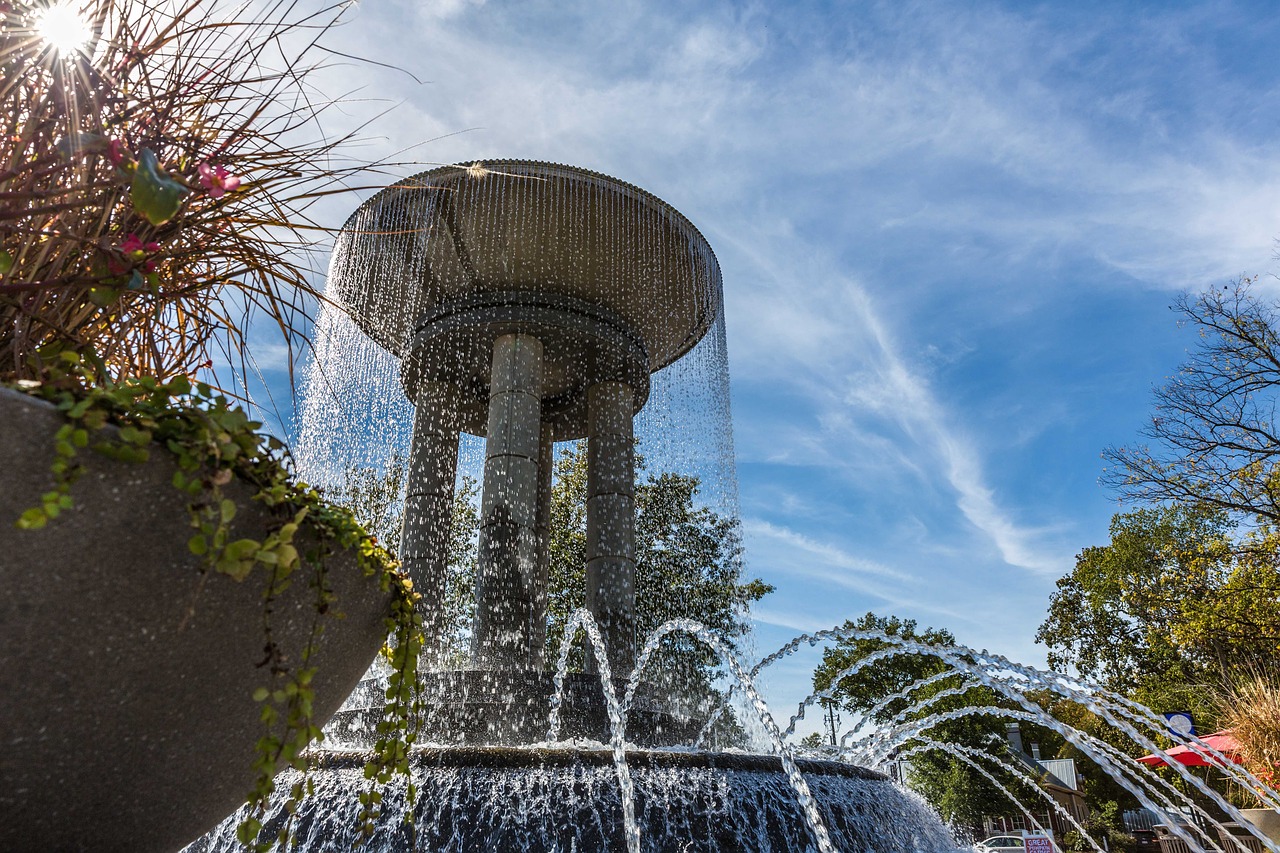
pixel 526 303
pixel 531 303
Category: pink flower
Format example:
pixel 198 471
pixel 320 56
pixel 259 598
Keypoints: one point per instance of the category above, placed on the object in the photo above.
pixel 117 153
pixel 135 252
pixel 217 180
pixel 135 249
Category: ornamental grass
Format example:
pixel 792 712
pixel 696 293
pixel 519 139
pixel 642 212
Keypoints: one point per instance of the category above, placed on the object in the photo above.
pixel 1251 710
pixel 158 178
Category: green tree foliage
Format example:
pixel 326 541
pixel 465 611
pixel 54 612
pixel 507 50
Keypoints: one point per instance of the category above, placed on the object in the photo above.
pixel 687 565
pixel 867 687
pixel 374 496
pixel 1176 605
pixel 1114 618
pixel 1105 823
pixel 1185 597
pixel 961 794
pixel 460 578
pixel 1176 600
pixel 1206 558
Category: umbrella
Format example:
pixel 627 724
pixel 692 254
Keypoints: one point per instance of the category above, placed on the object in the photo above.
pixel 1223 742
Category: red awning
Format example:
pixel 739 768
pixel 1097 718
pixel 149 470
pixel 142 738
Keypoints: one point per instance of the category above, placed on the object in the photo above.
pixel 1222 741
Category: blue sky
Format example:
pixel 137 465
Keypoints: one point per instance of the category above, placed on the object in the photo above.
pixel 949 234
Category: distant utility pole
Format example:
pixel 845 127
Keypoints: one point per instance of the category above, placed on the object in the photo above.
pixel 833 720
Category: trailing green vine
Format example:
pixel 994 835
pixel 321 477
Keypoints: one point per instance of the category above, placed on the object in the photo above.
pixel 213 443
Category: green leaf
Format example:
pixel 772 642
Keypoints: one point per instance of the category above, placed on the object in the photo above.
pixel 237 570
pixel 33 519
pixel 6 262
pixel 227 508
pixel 248 830
pixel 155 195
pixel 82 143
pixel 103 296
pixel 198 545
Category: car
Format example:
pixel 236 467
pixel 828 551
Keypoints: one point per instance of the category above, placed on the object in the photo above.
pixel 1001 844
pixel 1145 841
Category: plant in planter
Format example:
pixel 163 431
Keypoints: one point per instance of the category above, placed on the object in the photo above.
pixel 157 171
pixel 213 460
pixel 1251 709
pixel 158 177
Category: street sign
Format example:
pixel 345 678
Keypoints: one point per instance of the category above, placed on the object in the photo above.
pixel 1181 724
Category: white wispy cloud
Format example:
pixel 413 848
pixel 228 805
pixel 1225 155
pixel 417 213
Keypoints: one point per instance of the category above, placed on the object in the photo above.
pixel 828 556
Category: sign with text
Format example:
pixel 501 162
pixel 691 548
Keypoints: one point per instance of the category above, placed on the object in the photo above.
pixel 1038 844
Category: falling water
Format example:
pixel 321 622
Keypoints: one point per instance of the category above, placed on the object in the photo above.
pixel 516 794
pixel 1014 681
pixel 532 798
pixel 353 412
pixel 969 756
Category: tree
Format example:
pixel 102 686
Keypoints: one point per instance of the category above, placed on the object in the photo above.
pixel 961 794
pixel 1173 602
pixel 1186 594
pixel 374 496
pixel 1115 617
pixel 1214 424
pixel 687 565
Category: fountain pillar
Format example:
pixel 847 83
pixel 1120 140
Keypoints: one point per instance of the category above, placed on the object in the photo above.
pixel 611 552
pixel 506 591
pixel 428 509
pixel 538 620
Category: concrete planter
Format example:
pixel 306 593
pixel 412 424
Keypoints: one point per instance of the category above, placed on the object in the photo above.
pixel 126 678
pixel 1266 820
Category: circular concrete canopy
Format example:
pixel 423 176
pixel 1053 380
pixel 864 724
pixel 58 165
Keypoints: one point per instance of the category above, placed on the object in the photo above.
pixel 510 226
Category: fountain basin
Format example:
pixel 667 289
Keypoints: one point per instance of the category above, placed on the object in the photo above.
pixel 558 798
pixel 127 679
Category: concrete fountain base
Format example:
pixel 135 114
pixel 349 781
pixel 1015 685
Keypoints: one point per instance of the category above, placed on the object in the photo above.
pixel 542 799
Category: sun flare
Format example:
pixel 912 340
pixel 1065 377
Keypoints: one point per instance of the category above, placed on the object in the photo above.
pixel 63 28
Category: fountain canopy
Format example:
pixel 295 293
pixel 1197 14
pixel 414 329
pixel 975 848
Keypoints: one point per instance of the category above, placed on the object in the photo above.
pixel 614 281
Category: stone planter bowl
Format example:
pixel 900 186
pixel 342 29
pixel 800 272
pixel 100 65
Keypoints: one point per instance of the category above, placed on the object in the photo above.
pixel 1266 820
pixel 126 679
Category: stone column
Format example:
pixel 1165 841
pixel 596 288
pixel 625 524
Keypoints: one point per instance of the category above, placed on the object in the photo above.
pixel 538 622
pixel 428 510
pixel 611 552
pixel 508 559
